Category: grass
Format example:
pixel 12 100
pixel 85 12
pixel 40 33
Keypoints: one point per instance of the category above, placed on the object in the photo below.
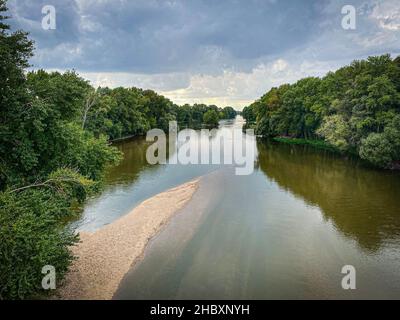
pixel 320 144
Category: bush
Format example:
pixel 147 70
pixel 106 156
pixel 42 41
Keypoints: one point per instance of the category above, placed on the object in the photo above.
pixel 376 149
pixel 211 118
pixel 336 132
pixel 33 232
pixel 382 149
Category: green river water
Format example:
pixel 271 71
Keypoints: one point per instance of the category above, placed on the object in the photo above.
pixel 285 231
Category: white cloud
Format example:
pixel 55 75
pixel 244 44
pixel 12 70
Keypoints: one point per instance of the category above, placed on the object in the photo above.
pixel 220 52
pixel 239 89
pixel 387 15
pixel 279 65
pixel 233 88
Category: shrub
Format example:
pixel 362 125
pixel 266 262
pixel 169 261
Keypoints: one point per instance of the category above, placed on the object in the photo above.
pixel 376 149
pixel 33 232
pixel 211 118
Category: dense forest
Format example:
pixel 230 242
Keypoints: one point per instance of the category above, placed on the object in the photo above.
pixel 55 132
pixel 121 112
pixel 355 109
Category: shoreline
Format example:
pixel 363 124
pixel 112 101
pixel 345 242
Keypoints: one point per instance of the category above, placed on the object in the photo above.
pixel 106 255
pixel 318 144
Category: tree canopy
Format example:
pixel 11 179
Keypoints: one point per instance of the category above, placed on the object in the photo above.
pixel 356 109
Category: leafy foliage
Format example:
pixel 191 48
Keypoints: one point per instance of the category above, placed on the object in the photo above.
pixel 228 113
pixel 211 118
pixel 32 232
pixel 249 115
pixel 123 112
pixel 40 138
pixel 383 149
pixel 354 109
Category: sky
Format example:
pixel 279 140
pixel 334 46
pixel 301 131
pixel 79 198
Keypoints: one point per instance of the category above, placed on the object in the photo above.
pixel 223 52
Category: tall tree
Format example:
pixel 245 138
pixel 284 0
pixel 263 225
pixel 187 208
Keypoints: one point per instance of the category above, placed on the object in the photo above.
pixel 351 109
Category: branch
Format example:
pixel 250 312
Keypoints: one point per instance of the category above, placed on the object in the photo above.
pixel 90 102
pixel 46 183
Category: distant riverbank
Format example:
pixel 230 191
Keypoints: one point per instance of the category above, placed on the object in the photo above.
pixel 104 257
pixel 320 144
pixel 323 145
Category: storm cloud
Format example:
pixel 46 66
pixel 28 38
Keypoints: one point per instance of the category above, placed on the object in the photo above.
pixel 225 52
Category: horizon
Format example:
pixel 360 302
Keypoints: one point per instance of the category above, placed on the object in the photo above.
pixel 238 109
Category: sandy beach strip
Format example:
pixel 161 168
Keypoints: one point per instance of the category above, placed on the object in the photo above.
pixel 105 256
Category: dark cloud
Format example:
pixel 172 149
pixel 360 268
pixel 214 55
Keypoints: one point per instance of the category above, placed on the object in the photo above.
pixel 165 36
pixel 27 15
pixel 212 51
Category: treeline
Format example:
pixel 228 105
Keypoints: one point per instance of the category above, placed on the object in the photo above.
pixel 355 109
pixel 55 130
pixel 198 115
pixel 120 112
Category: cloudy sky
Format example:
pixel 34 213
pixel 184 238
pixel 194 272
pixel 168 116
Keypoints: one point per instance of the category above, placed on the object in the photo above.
pixel 226 52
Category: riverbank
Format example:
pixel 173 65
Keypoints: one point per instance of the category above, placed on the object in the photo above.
pixel 320 144
pixel 105 256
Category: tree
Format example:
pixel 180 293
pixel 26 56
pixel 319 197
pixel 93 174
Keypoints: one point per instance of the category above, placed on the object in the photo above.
pixel 352 109
pixel 336 131
pixel 32 233
pixel 249 114
pixel 65 92
pixel 15 51
pixel 376 149
pixel 211 118
pixel 41 138
pixel 383 149
pixel 91 100
pixel 228 113
pixel 158 110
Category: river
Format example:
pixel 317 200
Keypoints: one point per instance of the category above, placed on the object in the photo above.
pixel 283 232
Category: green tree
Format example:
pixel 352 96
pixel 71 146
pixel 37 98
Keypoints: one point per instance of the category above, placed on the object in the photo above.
pixel 32 233
pixel 41 136
pixel 336 131
pixel 211 118
pixel 228 113
pixel 376 149
pixel 65 92
pixel 15 51
pixel 351 109
pixel 249 114
pixel 383 149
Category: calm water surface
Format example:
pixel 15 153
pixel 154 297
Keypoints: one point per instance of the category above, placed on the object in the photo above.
pixel 284 231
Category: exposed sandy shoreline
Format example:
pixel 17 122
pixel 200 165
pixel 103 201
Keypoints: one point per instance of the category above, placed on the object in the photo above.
pixel 105 256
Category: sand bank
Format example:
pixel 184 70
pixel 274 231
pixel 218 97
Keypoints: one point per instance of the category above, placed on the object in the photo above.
pixel 106 255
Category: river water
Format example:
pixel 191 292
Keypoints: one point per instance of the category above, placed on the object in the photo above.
pixel 283 232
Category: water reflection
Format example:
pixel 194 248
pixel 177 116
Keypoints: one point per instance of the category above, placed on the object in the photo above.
pixel 135 180
pixel 284 231
pixel 363 203
pixel 133 163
